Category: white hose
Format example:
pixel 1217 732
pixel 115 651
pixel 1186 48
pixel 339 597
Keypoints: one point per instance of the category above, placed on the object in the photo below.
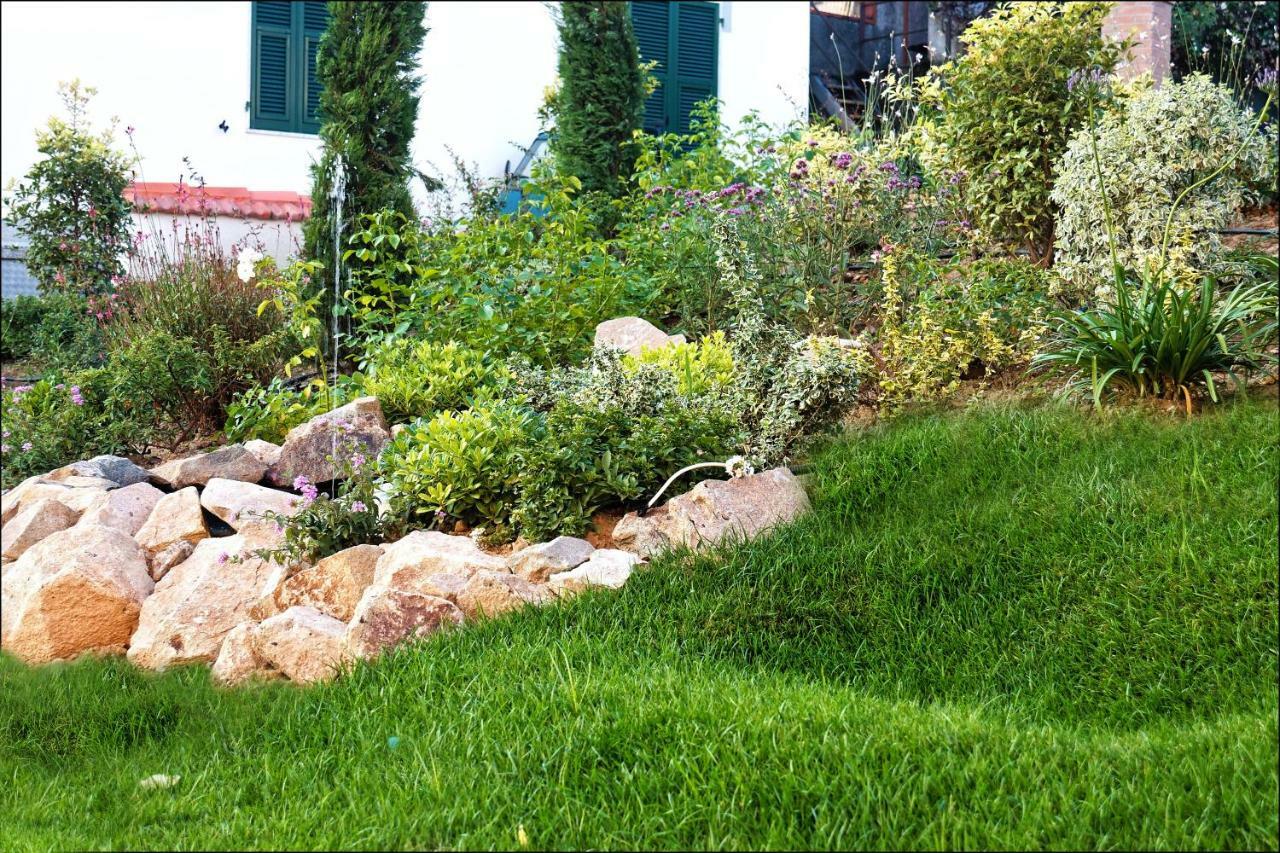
pixel 734 466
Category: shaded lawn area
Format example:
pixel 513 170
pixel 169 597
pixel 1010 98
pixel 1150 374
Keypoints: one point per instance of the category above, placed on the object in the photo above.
pixel 1002 628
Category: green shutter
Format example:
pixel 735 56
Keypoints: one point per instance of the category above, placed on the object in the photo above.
pixel 697 37
pixel 315 19
pixel 653 31
pixel 683 37
pixel 272 46
pixel 285 93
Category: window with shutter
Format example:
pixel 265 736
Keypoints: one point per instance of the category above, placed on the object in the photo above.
pixel 285 93
pixel 683 38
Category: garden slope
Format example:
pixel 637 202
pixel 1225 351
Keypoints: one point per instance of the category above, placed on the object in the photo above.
pixel 998 629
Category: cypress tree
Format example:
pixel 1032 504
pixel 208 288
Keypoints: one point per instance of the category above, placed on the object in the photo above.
pixel 601 99
pixel 367 65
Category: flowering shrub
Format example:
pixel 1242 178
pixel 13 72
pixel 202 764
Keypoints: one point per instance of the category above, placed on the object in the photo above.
pixel 325 525
pixel 809 203
pixel 941 322
pixel 59 334
pixel 56 421
pixel 71 204
pixel 1160 142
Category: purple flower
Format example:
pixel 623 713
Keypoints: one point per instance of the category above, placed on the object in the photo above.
pixel 309 494
pixel 358 506
pixel 300 482
pixel 4 448
pixel 736 211
pixel 223 557
pixel 26 446
pixel 889 166
pixel 358 460
pixel 75 395
pixel 841 160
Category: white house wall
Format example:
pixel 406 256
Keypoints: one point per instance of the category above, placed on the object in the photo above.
pixel 174 71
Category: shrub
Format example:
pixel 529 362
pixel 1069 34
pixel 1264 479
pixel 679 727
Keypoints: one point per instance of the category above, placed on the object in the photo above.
pixel 57 421
pixel 269 411
pixel 68 337
pixel 1161 142
pixel 613 430
pixel 325 525
pixel 1165 340
pixel 18 322
pixel 367 69
pixel 699 367
pixel 530 285
pixel 600 102
pixel 1007 115
pixel 415 378
pixel 71 204
pixel 463 465
pixel 941 322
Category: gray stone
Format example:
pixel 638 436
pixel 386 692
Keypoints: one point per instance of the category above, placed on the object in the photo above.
pixel 538 562
pixel 115 469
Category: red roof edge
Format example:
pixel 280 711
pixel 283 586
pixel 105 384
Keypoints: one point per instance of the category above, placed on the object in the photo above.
pixel 185 200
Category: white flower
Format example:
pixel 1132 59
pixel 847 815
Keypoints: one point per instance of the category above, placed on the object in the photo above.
pixel 738 466
pixel 244 268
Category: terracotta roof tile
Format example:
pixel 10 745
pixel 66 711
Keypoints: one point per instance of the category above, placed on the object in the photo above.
pixel 184 199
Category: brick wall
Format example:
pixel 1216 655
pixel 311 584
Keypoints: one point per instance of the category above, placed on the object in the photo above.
pixel 1150 25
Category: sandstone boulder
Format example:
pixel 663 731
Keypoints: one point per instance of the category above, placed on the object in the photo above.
pixel 334 585
pixel 36 521
pixel 714 511
pixel 175 518
pixel 634 335
pixel 125 509
pixel 114 469
pixel 79 590
pixel 493 593
pixel 268 454
pixel 385 617
pixel 162 561
pixel 538 562
pixel 200 600
pixel 359 426
pixel 238 659
pixel 303 644
pixel 37 488
pixel 239 503
pixel 229 463
pixel 407 563
pixel 607 567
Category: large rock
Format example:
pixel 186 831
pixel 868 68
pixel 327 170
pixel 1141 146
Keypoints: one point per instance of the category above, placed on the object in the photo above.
pixel 407 564
pixel 334 585
pixel 607 567
pixel 633 335
pixel 538 562
pixel 234 462
pixel 36 521
pixel 268 454
pixel 78 498
pixel 238 659
pixel 714 511
pixel 125 509
pixel 239 503
pixel 493 593
pixel 200 600
pixel 303 644
pixel 176 517
pixel 359 426
pixel 165 559
pixel 114 469
pixel 79 590
pixel 385 617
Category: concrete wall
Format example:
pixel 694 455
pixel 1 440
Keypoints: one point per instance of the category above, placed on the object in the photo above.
pixel 174 71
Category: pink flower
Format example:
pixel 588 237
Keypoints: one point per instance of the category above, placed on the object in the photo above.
pixel 358 460
pixel 75 395
pixel 358 506
pixel 26 446
pixel 223 557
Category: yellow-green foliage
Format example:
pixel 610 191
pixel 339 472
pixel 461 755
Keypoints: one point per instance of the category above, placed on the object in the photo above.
pixel 1006 114
pixel 938 320
pixel 698 367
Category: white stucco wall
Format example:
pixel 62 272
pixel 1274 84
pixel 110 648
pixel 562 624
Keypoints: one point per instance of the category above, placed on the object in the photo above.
pixel 174 71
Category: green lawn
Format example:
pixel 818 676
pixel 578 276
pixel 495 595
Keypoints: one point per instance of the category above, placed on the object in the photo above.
pixel 1004 628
